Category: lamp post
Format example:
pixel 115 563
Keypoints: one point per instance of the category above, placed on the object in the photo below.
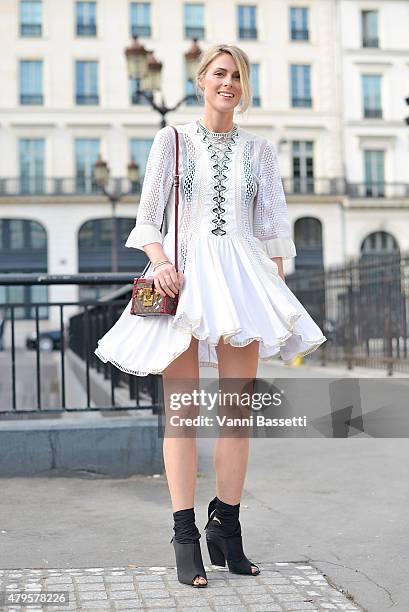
pixel 101 176
pixel 145 69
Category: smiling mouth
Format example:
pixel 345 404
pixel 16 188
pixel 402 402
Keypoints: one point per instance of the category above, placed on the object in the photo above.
pixel 225 94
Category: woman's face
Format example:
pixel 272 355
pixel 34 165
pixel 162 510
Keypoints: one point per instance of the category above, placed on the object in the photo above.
pixel 221 76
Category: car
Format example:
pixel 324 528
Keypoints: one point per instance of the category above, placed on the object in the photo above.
pixel 48 341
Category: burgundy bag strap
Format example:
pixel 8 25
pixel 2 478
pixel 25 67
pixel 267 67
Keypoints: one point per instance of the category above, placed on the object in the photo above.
pixel 176 186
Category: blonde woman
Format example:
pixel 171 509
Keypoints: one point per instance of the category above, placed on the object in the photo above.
pixel 234 306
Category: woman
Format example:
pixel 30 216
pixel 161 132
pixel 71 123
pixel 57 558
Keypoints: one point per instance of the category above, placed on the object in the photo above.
pixel 234 306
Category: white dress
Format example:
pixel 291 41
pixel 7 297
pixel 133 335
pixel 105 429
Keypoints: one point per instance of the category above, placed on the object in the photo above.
pixel 232 219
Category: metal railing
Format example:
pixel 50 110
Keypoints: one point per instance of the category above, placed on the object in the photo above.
pixel 82 185
pixel 65 186
pixel 363 310
pixel 80 325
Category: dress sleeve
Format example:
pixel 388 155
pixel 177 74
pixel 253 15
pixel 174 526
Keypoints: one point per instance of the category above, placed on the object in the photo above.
pixel 271 224
pixel 155 190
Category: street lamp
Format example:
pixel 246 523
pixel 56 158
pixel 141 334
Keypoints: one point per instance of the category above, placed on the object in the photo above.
pixel 101 175
pixel 146 70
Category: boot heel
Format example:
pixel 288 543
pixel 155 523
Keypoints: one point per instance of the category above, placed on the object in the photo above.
pixel 216 555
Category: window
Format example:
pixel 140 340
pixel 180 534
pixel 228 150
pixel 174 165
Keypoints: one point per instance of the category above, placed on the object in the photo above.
pixel 255 83
pixel 370 29
pixel 194 21
pixel 140 19
pixel 301 85
pixel 31 82
pixel 139 151
pixel 86 19
pixel 371 90
pixel 86 154
pixel 247 22
pixel 31 152
pixel 299 23
pixel 374 171
pixel 86 77
pixel 23 248
pixel 303 166
pixel 30 18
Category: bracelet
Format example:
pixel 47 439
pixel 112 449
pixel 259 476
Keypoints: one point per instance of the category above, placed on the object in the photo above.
pixel 160 263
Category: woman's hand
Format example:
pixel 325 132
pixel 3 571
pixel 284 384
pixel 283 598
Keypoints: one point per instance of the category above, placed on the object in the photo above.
pixel 167 280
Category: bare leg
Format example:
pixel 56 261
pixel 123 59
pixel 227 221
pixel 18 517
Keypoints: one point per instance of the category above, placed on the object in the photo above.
pixel 231 453
pixel 179 447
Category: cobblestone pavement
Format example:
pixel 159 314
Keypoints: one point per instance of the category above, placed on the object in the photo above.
pixel 280 587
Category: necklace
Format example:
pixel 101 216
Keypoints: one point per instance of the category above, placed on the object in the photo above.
pixel 217 137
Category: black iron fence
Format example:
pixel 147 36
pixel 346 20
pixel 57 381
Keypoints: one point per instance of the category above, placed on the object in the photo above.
pixel 41 368
pixel 362 309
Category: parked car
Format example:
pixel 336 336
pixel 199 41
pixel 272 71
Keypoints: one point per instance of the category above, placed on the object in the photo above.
pixel 48 341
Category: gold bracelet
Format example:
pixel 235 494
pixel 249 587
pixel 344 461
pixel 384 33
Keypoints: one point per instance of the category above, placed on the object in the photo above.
pixel 160 263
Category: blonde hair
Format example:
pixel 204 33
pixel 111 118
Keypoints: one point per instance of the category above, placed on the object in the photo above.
pixel 243 65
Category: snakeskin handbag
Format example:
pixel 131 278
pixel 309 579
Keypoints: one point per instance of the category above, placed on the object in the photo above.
pixel 146 300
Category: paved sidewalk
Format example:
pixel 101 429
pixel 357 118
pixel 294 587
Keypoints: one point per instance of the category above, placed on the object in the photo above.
pixel 279 587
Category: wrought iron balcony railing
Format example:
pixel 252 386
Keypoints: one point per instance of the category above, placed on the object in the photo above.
pixel 370 42
pixel 299 34
pixel 293 186
pixel 66 186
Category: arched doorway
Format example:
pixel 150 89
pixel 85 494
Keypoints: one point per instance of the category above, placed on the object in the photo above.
pixel 308 242
pixel 23 249
pixel 307 281
pixel 378 244
pixel 381 299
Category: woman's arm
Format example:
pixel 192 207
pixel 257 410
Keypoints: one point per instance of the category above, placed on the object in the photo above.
pixel 271 223
pixel 155 191
pixel 280 265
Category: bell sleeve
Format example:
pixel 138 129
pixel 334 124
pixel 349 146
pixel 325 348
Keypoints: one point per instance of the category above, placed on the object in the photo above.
pixel 156 188
pixel 271 223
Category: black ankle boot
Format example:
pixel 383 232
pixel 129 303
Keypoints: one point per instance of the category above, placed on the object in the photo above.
pixel 224 540
pixel 186 543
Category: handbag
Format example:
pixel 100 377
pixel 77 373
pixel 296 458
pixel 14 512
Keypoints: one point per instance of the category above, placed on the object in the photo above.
pixel 146 300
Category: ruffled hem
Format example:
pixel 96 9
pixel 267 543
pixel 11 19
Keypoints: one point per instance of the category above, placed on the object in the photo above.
pixel 189 326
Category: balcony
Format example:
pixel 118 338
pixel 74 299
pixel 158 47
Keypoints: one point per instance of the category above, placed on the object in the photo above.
pixel 194 32
pixel 31 99
pixel 64 186
pixel 86 29
pixel 30 30
pixel 87 99
pixel 142 31
pixel 372 113
pixel 370 42
pixel 293 186
pixel 301 102
pixel 248 33
pixel 299 34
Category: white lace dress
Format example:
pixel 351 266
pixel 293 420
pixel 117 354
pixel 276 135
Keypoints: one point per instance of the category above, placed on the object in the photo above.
pixel 232 219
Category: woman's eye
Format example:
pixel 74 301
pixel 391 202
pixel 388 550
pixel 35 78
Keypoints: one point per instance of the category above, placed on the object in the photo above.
pixel 221 74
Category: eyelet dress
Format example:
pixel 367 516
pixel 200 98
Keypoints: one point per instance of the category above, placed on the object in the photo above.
pixel 233 219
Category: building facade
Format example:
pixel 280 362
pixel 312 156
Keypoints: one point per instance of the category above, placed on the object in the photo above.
pixel 329 79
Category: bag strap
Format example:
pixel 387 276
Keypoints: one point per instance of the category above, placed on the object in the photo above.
pixel 176 187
